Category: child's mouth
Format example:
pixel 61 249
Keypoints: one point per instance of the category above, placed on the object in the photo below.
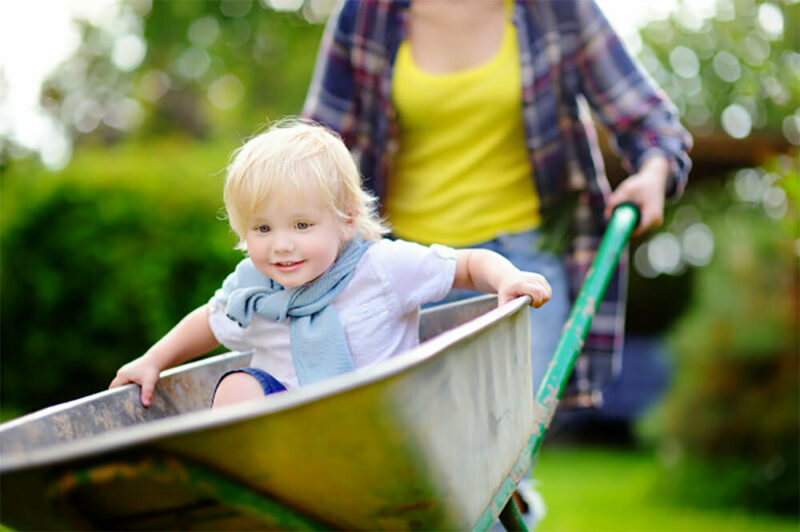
pixel 288 265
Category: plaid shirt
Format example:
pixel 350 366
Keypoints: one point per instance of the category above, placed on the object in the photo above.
pixel 571 61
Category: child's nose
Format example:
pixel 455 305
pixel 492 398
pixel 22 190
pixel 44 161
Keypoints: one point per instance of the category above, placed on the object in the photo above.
pixel 283 241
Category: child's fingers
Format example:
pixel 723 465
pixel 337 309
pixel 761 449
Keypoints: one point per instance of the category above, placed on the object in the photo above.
pixel 147 392
pixel 147 386
pixel 537 288
pixel 119 380
pixel 539 296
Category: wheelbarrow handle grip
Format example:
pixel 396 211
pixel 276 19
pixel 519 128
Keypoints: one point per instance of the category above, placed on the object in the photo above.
pixel 628 208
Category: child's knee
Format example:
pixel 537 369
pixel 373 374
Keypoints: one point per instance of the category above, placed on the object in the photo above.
pixel 235 388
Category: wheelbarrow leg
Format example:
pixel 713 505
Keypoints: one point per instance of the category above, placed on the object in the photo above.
pixel 511 518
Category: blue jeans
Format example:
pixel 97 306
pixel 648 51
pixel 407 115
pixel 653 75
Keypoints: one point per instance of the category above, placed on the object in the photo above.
pixel 548 320
pixel 268 383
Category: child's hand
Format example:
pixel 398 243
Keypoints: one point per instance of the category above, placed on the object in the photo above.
pixel 524 284
pixel 487 271
pixel 142 372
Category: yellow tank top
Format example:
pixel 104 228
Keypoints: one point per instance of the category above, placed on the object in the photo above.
pixel 461 174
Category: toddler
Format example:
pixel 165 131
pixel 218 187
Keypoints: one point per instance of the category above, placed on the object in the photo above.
pixel 321 292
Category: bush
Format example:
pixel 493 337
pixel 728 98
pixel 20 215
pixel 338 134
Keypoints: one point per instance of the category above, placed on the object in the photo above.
pixel 730 426
pixel 102 259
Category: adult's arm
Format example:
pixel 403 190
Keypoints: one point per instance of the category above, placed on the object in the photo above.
pixel 331 98
pixel 638 114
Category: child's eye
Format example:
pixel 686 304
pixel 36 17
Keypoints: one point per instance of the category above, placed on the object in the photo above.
pixel 262 229
pixel 303 225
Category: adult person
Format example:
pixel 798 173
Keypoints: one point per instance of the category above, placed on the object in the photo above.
pixel 471 123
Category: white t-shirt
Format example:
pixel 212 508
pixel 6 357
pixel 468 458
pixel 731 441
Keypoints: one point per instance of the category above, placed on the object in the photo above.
pixel 378 309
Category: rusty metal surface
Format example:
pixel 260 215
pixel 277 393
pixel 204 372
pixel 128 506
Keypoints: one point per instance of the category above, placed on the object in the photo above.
pixel 181 390
pixel 420 441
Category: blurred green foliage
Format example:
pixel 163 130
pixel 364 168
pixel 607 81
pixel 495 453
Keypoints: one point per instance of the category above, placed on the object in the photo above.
pixel 734 69
pixel 200 68
pixel 207 66
pixel 729 428
pixel 102 259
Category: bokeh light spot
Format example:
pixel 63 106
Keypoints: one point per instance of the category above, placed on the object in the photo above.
pixel 698 244
pixel 235 8
pixel 153 85
pixel 684 62
pixel 774 202
pixel 193 63
pixel 791 128
pixel 727 66
pixel 736 121
pixel 770 20
pixel 748 185
pixel 697 116
pixel 123 114
pixel 756 49
pixel 226 92
pixel 55 150
pixel 204 31
pixel 285 5
pixel 128 52
pixel 87 116
pixel 664 253
pixel 641 263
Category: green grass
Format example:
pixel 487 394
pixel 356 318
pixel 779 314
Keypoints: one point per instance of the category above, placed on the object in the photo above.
pixel 608 489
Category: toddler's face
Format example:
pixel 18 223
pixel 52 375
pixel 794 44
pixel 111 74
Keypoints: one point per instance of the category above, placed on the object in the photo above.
pixel 293 242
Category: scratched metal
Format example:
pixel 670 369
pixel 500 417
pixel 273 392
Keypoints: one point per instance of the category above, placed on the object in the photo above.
pixel 181 390
pixel 420 441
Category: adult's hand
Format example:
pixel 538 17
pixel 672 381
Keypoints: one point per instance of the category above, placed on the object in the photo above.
pixel 645 189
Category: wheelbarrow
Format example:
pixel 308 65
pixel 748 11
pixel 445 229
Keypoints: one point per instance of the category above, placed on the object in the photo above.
pixel 437 437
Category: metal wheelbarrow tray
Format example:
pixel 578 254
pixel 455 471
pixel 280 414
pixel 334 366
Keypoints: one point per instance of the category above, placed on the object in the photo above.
pixel 410 443
pixel 434 438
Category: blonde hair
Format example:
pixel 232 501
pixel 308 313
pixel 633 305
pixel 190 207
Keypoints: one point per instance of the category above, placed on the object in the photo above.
pixel 294 156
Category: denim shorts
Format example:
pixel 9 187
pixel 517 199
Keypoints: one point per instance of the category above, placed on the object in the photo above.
pixel 268 383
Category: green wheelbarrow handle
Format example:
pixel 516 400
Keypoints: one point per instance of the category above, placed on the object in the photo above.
pixel 620 227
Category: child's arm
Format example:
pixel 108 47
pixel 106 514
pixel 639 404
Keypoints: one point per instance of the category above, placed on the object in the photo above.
pixel 484 270
pixel 189 339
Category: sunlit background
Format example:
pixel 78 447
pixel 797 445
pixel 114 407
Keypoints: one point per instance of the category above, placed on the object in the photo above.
pixel 121 38
pixel 117 118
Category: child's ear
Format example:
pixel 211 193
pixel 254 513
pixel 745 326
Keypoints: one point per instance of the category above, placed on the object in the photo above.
pixel 349 226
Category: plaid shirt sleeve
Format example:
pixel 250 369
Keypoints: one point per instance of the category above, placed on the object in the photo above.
pixel 331 99
pixel 636 111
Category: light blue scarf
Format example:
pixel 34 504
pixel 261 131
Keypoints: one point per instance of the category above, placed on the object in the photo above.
pixel 319 347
